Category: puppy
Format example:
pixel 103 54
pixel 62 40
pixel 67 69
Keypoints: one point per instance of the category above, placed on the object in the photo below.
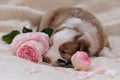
pixel 75 29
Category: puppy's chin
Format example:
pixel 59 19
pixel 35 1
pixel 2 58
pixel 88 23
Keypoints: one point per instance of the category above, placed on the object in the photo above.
pixel 52 56
pixel 55 64
pixel 49 61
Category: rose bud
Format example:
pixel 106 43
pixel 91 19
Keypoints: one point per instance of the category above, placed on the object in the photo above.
pixel 80 61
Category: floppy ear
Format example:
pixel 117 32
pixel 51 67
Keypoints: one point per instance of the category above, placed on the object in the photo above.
pixel 84 43
pixel 46 19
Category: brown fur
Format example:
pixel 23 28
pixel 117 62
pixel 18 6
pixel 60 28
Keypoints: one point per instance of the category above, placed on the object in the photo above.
pixel 55 18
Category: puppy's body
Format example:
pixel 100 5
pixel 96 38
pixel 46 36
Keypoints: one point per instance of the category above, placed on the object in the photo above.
pixel 75 29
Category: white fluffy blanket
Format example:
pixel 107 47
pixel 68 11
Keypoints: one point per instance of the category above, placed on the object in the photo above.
pixel 14 14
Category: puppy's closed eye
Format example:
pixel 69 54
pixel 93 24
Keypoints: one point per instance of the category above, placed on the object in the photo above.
pixel 68 49
pixel 63 51
pixel 65 54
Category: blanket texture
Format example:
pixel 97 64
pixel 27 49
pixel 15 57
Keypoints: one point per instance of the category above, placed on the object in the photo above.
pixel 14 14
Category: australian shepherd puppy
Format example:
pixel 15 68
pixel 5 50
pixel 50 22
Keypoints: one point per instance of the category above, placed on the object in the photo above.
pixel 75 29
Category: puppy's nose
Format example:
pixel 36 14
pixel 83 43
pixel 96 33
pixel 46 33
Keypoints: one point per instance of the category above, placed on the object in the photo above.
pixel 46 59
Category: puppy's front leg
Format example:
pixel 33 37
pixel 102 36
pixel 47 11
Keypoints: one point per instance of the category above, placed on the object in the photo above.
pixel 47 20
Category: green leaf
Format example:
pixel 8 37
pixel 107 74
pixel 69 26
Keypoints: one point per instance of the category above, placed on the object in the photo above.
pixel 26 30
pixel 48 31
pixel 10 36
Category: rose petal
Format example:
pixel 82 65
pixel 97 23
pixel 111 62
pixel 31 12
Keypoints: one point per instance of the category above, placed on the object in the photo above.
pixel 84 75
pixel 61 69
pixel 118 60
pixel 111 72
pixel 99 70
pixel 28 52
pixel 21 38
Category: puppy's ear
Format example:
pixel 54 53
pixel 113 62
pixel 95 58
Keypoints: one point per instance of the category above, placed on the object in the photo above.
pixel 46 20
pixel 83 43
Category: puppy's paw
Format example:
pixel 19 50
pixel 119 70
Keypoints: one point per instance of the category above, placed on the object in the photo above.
pixel 106 52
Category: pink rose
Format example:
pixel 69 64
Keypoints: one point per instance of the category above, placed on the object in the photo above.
pixel 80 61
pixel 30 46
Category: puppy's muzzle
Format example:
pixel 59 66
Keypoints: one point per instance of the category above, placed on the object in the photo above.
pixel 46 59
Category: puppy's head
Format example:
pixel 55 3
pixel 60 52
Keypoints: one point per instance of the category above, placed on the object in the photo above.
pixel 67 49
pixel 64 44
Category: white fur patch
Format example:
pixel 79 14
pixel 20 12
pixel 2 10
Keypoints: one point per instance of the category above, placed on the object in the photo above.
pixel 58 39
pixel 63 36
pixel 79 24
pixel 71 22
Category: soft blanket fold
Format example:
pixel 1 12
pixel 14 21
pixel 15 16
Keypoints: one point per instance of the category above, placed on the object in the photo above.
pixel 14 14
